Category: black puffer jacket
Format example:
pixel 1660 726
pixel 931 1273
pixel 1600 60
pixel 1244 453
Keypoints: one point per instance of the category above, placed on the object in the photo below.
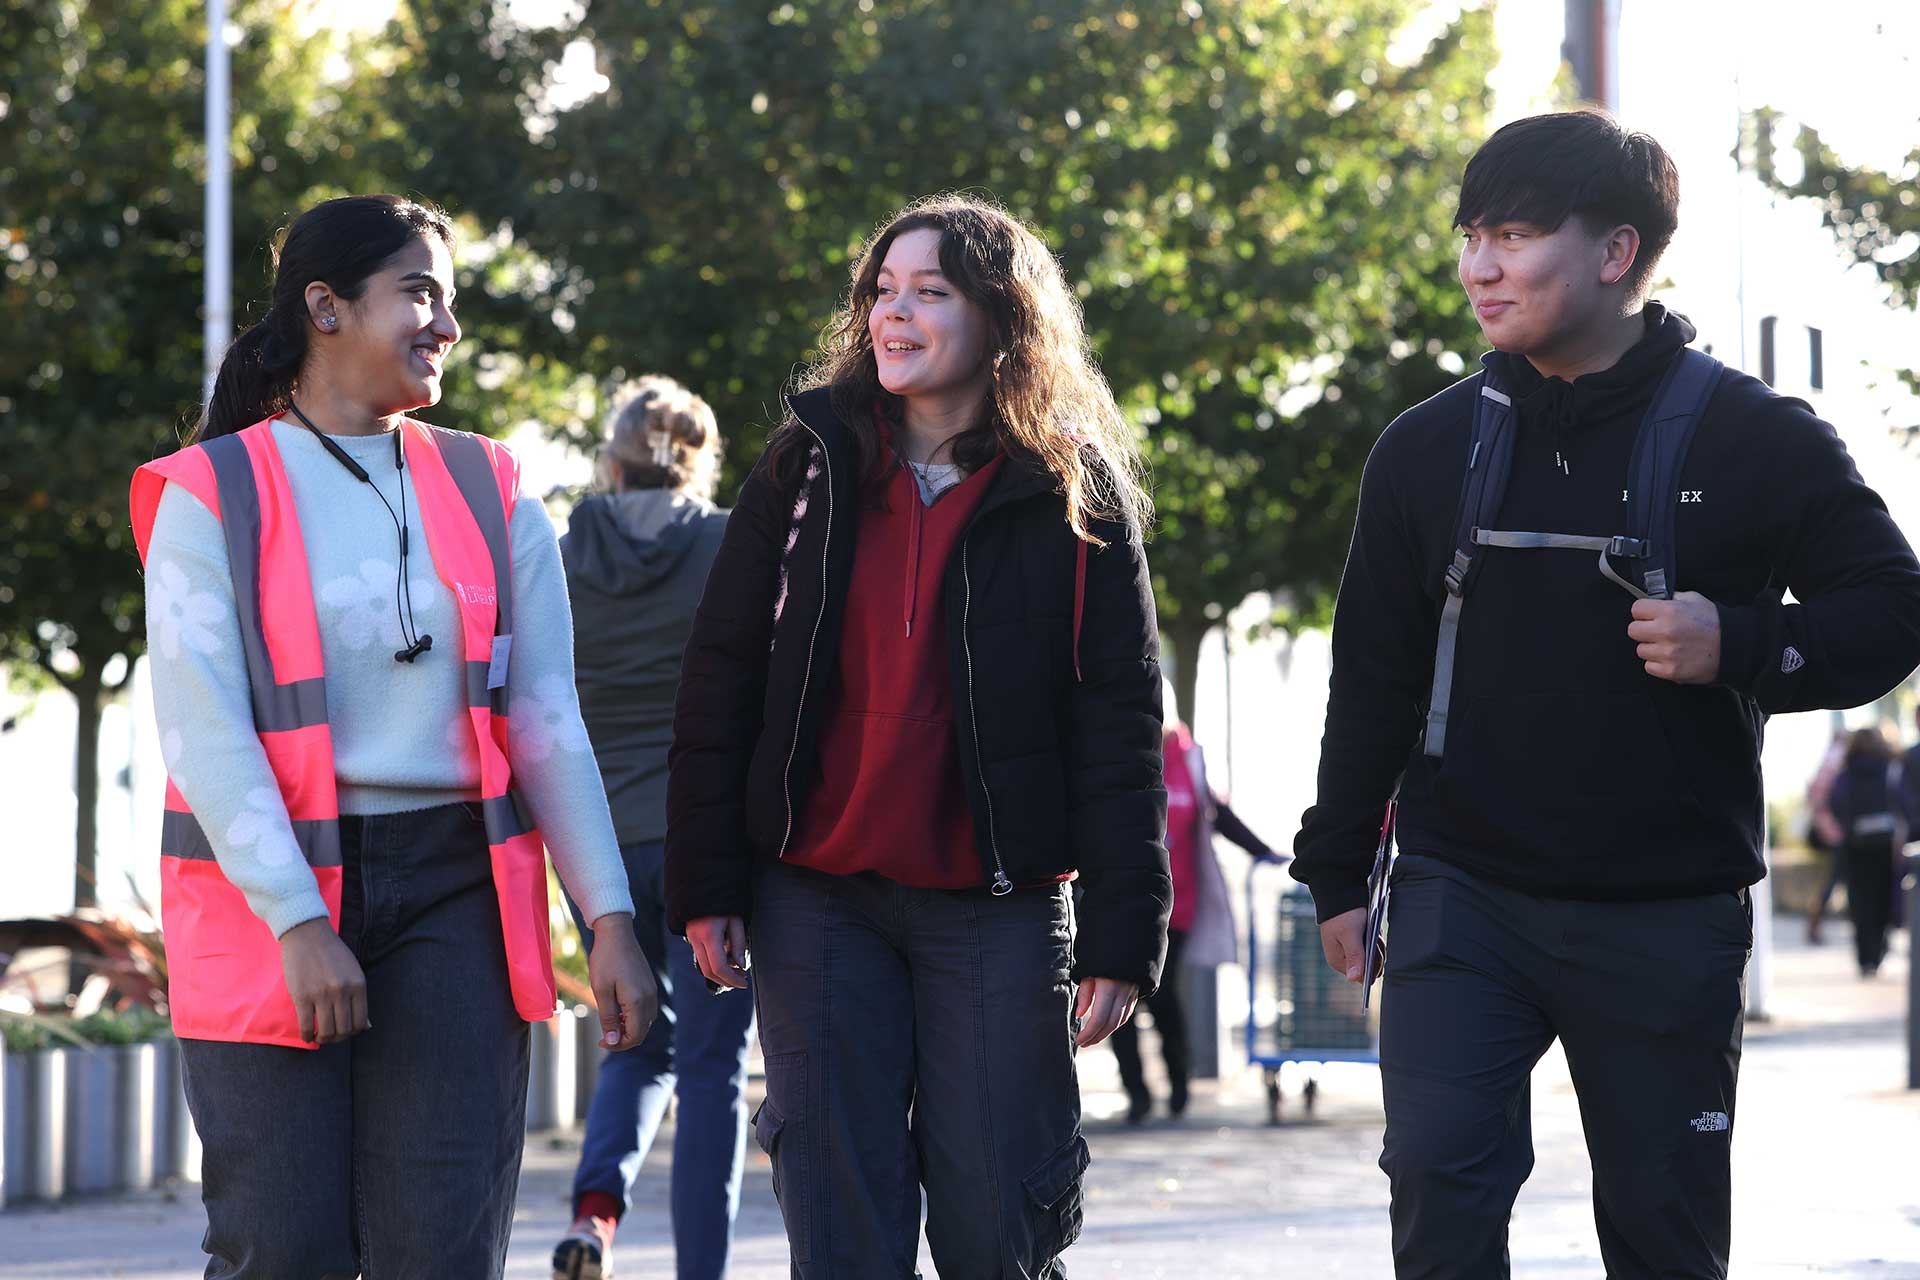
pixel 1062 769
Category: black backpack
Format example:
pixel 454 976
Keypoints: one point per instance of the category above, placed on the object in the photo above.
pixel 1645 550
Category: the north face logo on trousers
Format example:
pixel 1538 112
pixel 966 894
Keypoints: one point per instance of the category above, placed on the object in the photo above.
pixel 1711 1122
pixel 1791 661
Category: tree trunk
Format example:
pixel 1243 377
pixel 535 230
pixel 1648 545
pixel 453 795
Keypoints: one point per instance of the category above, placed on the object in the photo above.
pixel 87 691
pixel 1184 637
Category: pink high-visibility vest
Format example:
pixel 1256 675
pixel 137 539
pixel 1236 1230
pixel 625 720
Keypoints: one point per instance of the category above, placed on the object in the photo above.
pixel 223 962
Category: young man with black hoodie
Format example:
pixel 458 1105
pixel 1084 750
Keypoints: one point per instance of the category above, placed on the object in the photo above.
pixel 1575 857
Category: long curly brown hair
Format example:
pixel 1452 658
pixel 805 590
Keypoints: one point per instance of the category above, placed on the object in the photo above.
pixel 1049 402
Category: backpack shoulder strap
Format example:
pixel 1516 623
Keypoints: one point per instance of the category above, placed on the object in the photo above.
pixel 1484 485
pixel 1659 452
pixel 1482 488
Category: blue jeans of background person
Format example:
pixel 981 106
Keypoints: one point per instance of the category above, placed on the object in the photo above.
pixel 697 1052
pixel 394 1154
pixel 918 1037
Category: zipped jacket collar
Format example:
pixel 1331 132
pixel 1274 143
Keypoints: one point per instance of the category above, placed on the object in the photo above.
pixel 1022 476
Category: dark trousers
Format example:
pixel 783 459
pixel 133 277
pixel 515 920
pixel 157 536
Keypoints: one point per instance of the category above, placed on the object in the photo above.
pixel 917 1037
pixel 695 1053
pixel 1870 884
pixel 394 1155
pixel 1646 999
pixel 1169 1021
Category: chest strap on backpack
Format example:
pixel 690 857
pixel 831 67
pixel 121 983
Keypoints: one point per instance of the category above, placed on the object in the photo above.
pixel 1659 450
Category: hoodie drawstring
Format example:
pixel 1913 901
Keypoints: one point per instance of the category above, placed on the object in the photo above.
pixel 1555 405
pixel 1563 421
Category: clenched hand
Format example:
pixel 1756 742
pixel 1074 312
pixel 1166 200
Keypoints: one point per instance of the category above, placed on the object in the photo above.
pixel 1679 639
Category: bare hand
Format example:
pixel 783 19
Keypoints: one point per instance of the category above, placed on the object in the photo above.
pixel 1679 639
pixel 1344 940
pixel 720 949
pixel 1100 1007
pixel 329 991
pixel 623 985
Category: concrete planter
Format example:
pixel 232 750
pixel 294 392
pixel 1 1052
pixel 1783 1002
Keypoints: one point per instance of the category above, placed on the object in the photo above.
pixel 552 1076
pixel 176 1144
pixel 35 1126
pixel 588 1057
pixel 110 1118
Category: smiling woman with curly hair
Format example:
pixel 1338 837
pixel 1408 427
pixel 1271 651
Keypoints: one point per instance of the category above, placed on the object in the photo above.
pixel 921 695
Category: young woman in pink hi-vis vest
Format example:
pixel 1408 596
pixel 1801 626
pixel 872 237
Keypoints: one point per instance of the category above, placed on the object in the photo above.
pixel 362 675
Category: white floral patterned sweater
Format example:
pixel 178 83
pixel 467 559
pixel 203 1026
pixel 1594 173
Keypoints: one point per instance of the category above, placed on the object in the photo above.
pixel 400 731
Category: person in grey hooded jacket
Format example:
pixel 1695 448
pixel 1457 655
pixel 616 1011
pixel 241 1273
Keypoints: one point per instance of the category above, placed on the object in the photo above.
pixel 636 556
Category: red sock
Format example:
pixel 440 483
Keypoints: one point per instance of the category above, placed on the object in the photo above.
pixel 598 1204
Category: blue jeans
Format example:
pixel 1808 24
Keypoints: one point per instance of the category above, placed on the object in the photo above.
pixel 697 1052
pixel 394 1154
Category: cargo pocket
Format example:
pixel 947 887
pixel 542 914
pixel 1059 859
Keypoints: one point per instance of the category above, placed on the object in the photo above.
pixel 784 1142
pixel 1056 1201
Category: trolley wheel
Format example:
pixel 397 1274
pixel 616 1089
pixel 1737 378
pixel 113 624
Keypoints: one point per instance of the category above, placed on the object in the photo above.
pixel 1272 1076
pixel 1311 1093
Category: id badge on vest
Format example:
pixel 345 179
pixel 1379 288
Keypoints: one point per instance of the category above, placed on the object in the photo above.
pixel 497 664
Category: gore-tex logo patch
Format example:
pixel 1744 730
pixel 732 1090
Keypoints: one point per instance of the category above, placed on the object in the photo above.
pixel 475 595
pixel 1791 661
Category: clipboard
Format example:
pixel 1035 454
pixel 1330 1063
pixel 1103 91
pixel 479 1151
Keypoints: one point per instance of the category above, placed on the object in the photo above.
pixel 1373 940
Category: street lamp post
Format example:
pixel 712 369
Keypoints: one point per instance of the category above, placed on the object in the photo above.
pixel 219 228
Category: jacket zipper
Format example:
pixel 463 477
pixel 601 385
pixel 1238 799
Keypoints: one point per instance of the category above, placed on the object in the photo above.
pixel 1001 885
pixel 806 678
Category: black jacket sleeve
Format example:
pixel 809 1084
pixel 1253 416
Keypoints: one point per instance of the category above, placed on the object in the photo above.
pixel 1855 632
pixel 1384 624
pixel 1228 824
pixel 1116 790
pixel 718 712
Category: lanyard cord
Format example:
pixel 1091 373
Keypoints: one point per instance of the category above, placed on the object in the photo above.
pixel 417 643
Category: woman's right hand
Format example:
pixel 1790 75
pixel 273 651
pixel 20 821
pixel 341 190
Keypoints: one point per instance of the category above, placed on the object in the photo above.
pixel 720 949
pixel 329 991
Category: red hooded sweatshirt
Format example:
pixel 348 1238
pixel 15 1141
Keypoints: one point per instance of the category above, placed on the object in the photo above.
pixel 890 798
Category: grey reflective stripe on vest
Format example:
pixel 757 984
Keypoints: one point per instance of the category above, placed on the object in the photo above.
pixel 276 707
pixel 478 695
pixel 467 462
pixel 182 836
pixel 472 472
pixel 506 817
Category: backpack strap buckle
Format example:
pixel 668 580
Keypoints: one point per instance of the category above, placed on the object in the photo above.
pixel 1628 548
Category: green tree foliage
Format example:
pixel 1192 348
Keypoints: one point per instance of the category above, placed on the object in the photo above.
pixel 1252 196
pixel 100 212
pixel 102 161
pixel 1874 215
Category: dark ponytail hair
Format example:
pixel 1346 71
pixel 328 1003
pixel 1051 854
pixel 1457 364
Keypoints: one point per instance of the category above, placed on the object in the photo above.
pixel 338 242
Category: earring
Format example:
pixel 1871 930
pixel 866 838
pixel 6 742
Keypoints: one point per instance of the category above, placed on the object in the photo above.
pixel 327 323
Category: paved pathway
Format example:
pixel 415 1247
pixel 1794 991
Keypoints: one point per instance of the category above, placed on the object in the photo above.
pixel 1827 1179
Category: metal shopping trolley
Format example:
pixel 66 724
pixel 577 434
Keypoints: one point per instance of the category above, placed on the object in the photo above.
pixel 1298 1009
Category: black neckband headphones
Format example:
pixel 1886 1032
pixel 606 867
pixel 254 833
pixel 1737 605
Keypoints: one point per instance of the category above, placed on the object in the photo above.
pixel 417 641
